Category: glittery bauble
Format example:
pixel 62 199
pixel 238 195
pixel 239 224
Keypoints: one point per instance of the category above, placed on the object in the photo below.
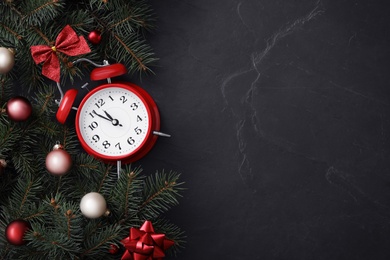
pixel 94 37
pixel 15 232
pixel 7 60
pixel 19 109
pixel 58 162
pixel 93 205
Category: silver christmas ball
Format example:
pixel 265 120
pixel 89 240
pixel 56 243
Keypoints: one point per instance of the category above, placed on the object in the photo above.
pixel 93 205
pixel 7 60
pixel 58 162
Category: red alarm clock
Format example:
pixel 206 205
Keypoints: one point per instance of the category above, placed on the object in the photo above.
pixel 114 121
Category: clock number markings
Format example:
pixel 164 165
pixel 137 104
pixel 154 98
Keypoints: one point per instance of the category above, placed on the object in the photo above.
pixel 107 106
pixel 123 99
pixel 134 106
pixel 106 144
pixel 130 140
pixel 137 130
pixel 93 125
pixel 96 138
pixel 100 103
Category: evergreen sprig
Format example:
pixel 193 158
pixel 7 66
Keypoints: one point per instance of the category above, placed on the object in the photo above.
pixel 160 194
pixel 5 90
pixel 172 232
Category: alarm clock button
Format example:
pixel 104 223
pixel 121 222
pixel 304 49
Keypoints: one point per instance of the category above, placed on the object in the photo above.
pixel 108 71
pixel 66 105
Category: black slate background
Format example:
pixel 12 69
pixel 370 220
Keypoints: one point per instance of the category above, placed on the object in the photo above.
pixel 279 115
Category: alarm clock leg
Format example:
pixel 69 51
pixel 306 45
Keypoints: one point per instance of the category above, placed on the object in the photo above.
pixel 161 134
pixel 118 168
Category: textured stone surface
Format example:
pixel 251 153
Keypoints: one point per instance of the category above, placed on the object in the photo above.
pixel 279 116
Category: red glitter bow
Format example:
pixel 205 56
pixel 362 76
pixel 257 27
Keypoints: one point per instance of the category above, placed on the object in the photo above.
pixel 68 43
pixel 144 244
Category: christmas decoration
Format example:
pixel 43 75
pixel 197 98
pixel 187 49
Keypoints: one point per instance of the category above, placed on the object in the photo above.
pixel 18 109
pixel 95 37
pixel 58 161
pixel 113 249
pixel 52 204
pixel 144 244
pixel 7 60
pixel 67 42
pixel 109 126
pixel 15 232
pixel 93 205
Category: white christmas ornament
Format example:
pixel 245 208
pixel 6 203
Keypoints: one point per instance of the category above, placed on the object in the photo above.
pixel 93 205
pixel 7 60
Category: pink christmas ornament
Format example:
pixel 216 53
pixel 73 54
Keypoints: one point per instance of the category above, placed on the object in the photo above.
pixel 18 109
pixel 58 161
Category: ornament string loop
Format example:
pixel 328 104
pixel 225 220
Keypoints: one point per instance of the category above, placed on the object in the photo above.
pixel 68 43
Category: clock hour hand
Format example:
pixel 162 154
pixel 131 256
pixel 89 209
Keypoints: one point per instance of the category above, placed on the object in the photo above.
pixel 115 122
pixel 108 115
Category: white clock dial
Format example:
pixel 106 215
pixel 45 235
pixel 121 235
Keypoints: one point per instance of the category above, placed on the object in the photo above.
pixel 114 121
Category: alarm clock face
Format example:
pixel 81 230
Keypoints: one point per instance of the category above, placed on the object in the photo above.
pixel 113 121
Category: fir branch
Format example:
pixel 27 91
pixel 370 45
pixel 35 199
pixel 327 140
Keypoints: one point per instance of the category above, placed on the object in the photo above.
pixel 69 216
pixel 25 192
pixel 4 88
pixel 48 98
pixel 13 8
pixel 65 137
pixel 160 194
pixel 168 186
pixel 39 11
pixel 101 240
pixel 28 188
pixel 40 7
pixel 130 179
pixel 51 243
pixel 35 215
pixel 9 135
pixel 172 232
pixel 138 60
pixel 12 32
pixel 125 197
pixel 86 163
pixel 131 18
pixel 104 177
pixel 79 19
pixel 42 35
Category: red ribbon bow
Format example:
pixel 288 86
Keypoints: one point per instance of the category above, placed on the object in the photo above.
pixel 68 43
pixel 144 244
